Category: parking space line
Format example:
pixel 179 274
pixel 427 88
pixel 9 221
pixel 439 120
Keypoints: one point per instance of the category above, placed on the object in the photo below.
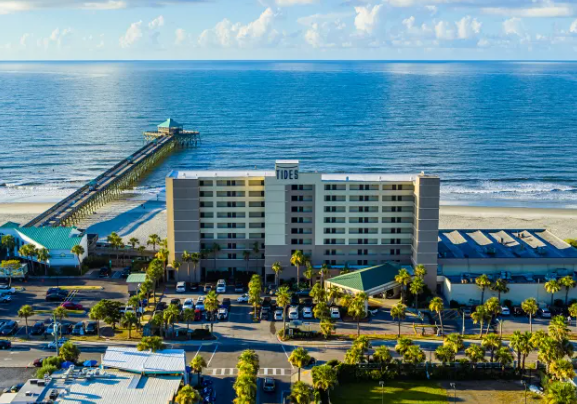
pixel 199 348
pixel 287 355
pixel 215 348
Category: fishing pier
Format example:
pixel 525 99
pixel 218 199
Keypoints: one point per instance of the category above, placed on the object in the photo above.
pixel 109 185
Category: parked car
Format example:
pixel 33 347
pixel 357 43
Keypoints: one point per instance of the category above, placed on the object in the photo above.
pixel 38 362
pixel 335 313
pixel 200 303
pixel 544 313
pixel 221 286
pixel 197 315
pixel 5 298
pixel 517 311
pixel 268 385
pixel 295 300
pixel 56 295
pixel 79 328
pixel 4 288
pixel 125 272
pixel 208 287
pixel 239 288
pixel 308 302
pixel 243 298
pixel 264 313
pixel 222 313
pixel 38 328
pixel 505 311
pixel 161 306
pixel 181 287
pixel 293 313
pixel 194 287
pixel 278 314
pixel 10 327
pixel 226 303
pixel 72 306
pixel 104 272
pixel 466 311
pixel 176 302
pixel 307 312
pixel 91 328
pixel 5 344
pixel 52 344
pixel 188 304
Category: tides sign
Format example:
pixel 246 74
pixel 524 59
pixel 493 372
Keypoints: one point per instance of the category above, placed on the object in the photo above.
pixel 287 169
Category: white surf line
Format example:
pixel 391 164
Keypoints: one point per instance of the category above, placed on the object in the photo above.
pixel 215 348
pixel 287 355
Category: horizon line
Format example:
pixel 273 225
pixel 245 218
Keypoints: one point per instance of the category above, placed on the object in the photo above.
pixel 301 60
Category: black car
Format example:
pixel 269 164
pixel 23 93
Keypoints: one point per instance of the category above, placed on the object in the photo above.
pixel 125 272
pixel 91 328
pixel 295 301
pixel 239 288
pixel 104 272
pixel 9 328
pixel 225 303
pixel 161 306
pixel 265 313
pixel 56 297
pixel 194 287
pixel 308 302
pixel 38 328
pixel 5 344
pixel 266 302
pixel 79 328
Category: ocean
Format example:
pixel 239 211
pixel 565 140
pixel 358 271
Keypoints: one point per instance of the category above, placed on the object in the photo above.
pixel 498 133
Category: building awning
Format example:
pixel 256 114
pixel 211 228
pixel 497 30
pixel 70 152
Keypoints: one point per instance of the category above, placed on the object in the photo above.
pixel 136 278
pixel 168 361
pixel 371 280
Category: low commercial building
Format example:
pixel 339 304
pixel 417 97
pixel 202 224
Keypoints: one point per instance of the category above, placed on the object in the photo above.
pixel 372 281
pixel 525 258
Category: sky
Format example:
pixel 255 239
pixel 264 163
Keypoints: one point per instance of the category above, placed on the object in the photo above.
pixel 288 29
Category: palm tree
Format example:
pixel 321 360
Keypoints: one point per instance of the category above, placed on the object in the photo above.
pixel 154 273
pixel 398 312
pixel 327 327
pixel 25 312
pixel 187 317
pixel 176 266
pixel 437 306
pixel 357 309
pixel 475 353
pixel 568 283
pixel 420 271
pixel 133 242
pixel 483 282
pixel 318 293
pixel 403 278
pixel 503 356
pixel 8 242
pixel 153 240
pixel 283 299
pixel 301 393
pixel 414 355
pixel 573 311
pixel 324 378
pixel 558 328
pixel 491 342
pixel 444 354
pixel 382 355
pixel 333 293
pixel 417 286
pixel 197 364
pixel 170 315
pixel 141 249
pixel 187 395
pixel 299 358
pixel 560 393
pixel 277 269
pixel 493 308
pixel 454 342
pixel 78 250
pixel 309 273
pixel 150 344
pixel 521 343
pixel 195 259
pixel 162 256
pixel 552 287
pixel 403 345
pixel 128 320
pixel 530 307
pixel 324 271
pixel 211 304
pixel 297 260
pixel 28 251
pixel 43 255
pixel 185 257
pixel 562 370
pixel 479 316
pixel 214 250
pixel 116 241
pixel 246 257
pixel 500 286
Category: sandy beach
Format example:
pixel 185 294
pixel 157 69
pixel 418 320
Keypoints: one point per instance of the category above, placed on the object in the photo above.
pixel 137 217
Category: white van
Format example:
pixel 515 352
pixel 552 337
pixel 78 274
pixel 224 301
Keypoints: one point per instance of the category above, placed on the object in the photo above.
pixel 221 286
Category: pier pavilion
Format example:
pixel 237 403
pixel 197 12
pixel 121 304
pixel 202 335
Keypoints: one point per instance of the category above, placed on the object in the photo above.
pixel 171 128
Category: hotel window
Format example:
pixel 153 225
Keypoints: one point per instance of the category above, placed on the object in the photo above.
pixel 395 251
pixel 297 231
pixel 362 262
pixel 254 194
pixel 207 225
pixel 330 230
pixel 256 225
pixel 205 183
pixel 297 198
pixel 255 183
pixel 206 215
pixel 206 204
pixel 400 187
pixel 297 241
pixel 297 187
pixel 331 262
pixel 231 246
pixel 297 220
pixel 255 214
pixel 333 209
pixel 394 187
pixel 362 252
pixel 330 252
pixel 297 209
pixel 207 194
pixel 335 187
pixel 256 204
pixel 231 256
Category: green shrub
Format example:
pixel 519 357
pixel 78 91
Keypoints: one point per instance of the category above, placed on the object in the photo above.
pixel 53 361
pixel 95 261
pixel 333 362
pixel 48 369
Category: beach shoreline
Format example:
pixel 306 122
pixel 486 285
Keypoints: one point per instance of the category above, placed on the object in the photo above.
pixel 139 217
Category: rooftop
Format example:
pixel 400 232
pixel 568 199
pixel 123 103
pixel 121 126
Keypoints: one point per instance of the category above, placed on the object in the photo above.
pixel 263 173
pixel 52 238
pixel 193 175
pixel 500 243
pixel 10 225
pixel 168 361
pixel 368 177
pixel 368 278
pixel 136 278
pixel 170 123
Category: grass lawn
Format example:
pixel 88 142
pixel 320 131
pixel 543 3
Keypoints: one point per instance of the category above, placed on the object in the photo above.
pixel 398 392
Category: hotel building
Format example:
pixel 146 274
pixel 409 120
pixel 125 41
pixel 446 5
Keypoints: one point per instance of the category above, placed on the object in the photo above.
pixel 353 220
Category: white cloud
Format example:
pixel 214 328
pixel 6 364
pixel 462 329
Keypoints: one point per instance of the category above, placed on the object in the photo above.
pixel 328 34
pixel 400 3
pixel 432 9
pixel 513 26
pixel 367 18
pixel 286 3
pixel 549 10
pixel 573 28
pixel 444 31
pixel 7 7
pixel 181 36
pixel 108 5
pixel 133 34
pixel 468 27
pixel 310 19
pixel 256 33
pixel 156 23
pixel 24 39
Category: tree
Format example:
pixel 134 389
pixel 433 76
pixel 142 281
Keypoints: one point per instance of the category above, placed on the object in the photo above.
pixel 437 306
pixel 321 311
pixel 128 320
pixel 521 343
pixel 454 342
pixel 414 355
pixel 357 309
pixel 176 265
pixel 43 255
pixel 444 354
pixel 254 289
pixel 483 282
pixel 500 286
pixel 9 243
pixel 562 370
pixel 98 313
pixel 78 250
pixel 475 353
pixel 197 364
pixel 299 358
pixel 162 255
pixel 552 287
pixel 403 345
pixel 283 299
pixel 568 283
pixel 324 378
pixel 491 342
pixel 362 344
pixel 309 273
pixel 214 251
pixel 333 294
pixel 45 370
pixel 277 269
pixel 187 395
pixel 558 329
pixel 246 258
pixel 297 260
pixel 301 393
pixel 382 355
pixel 416 288
pixel 150 344
pixel 211 304
pixel 116 241
pixel 318 293
pixel 187 317
pixel 171 314
pixel 69 352
pixel 133 242
pixel 480 316
pixel 195 259
pixel 560 393
pixel 60 313
pixel 154 273
pixel 324 271
pixel 354 356
pixel 530 307
pixel 153 240
pixel 493 307
pixel 25 312
pixel 503 356
pixel 28 251
pixel 398 312
pixel 420 271
pixel 403 278
pixel 9 268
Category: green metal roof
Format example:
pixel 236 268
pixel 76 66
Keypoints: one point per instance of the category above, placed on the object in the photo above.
pixel 170 123
pixel 367 278
pixel 10 225
pixel 52 238
pixel 136 278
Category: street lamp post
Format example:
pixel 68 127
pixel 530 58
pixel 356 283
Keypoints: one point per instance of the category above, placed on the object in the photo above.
pixel 382 384
pixel 463 329
pixel 454 387
pixel 524 390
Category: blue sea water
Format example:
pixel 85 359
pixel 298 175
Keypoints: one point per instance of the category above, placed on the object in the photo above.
pixel 498 133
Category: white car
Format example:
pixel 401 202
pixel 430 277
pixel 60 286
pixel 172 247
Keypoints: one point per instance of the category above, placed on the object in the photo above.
pixel 307 312
pixel 278 314
pixel 243 298
pixel 188 304
pixel 293 313
pixel 181 287
pixel 221 286
pixel 5 298
pixel 545 313
pixel 222 313
pixel 200 303
pixel 335 313
pixel 52 344
pixel 505 311
pixel 7 289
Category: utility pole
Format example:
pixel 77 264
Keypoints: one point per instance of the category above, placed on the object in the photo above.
pixel 463 329
pixel 382 384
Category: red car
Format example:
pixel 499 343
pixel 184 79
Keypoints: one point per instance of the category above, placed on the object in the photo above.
pixel 197 315
pixel 72 306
